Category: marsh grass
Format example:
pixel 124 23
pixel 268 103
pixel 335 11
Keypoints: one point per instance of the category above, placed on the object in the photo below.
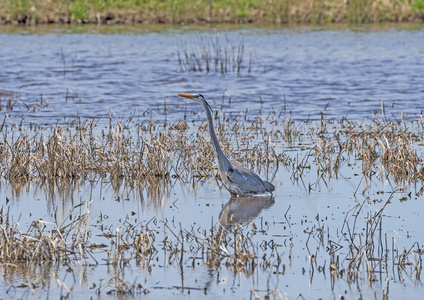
pixel 117 286
pixel 214 247
pixel 361 252
pixel 372 254
pixel 364 251
pixel 150 152
pixel 387 150
pixel 214 54
pixel 9 102
pixel 44 241
pixel 146 152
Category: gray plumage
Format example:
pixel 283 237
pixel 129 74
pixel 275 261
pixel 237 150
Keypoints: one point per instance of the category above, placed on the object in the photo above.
pixel 237 179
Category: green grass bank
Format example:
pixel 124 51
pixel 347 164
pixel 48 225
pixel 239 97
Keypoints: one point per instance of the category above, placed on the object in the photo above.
pixel 31 12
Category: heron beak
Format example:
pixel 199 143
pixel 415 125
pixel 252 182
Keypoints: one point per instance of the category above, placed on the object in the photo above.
pixel 190 96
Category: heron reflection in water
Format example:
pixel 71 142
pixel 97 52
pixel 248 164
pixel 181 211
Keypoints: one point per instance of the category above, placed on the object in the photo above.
pixel 238 180
pixel 241 210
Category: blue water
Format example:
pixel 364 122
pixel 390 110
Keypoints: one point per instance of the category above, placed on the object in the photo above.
pixel 301 71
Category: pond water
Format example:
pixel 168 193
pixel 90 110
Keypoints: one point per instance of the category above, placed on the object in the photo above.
pixel 337 71
pixel 300 72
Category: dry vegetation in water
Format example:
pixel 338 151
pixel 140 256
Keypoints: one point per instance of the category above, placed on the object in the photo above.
pixel 386 150
pixel 44 241
pixel 147 151
pixel 363 252
pixel 71 243
pixel 142 152
pixel 217 55
pixel 10 102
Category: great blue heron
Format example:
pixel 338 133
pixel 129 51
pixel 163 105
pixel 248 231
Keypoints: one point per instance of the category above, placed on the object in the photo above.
pixel 237 179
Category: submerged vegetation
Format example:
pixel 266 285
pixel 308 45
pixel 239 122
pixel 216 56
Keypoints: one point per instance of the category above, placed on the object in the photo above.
pixel 213 11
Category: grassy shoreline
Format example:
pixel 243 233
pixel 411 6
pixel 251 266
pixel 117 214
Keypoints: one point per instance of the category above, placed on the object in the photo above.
pixel 32 12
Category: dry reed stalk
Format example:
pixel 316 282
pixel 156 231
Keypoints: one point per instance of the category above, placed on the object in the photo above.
pixel 121 287
pixel 216 54
pixel 148 152
pixel 44 241
pixel 74 152
pixel 137 240
pixel 385 149
pixel 368 254
pixel 9 101
pixel 233 248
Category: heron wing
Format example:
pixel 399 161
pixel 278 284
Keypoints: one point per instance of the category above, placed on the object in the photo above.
pixel 246 179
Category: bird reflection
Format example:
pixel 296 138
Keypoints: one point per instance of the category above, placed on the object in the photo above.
pixel 241 210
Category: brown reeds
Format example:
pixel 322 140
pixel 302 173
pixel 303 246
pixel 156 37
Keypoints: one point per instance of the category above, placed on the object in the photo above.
pixel 232 248
pixel 44 241
pixel 9 102
pixel 361 251
pixel 386 150
pixel 216 54
pixel 148 151
pixel 371 250
pixel 368 251
pixel 155 152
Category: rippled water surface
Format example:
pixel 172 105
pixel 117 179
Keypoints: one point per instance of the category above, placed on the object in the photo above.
pixel 337 71
pixel 301 73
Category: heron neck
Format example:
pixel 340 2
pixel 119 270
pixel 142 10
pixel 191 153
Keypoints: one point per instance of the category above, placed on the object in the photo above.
pixel 222 159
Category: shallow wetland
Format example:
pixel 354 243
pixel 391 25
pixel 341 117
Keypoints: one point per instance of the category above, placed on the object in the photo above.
pixel 109 186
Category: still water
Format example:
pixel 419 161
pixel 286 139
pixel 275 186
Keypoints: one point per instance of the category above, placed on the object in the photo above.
pixel 301 73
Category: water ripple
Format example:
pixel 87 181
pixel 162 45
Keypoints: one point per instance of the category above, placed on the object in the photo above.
pixel 336 71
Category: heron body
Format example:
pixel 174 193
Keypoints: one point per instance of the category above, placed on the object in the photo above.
pixel 237 179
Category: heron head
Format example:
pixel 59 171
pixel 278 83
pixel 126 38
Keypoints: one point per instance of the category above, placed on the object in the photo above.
pixel 195 97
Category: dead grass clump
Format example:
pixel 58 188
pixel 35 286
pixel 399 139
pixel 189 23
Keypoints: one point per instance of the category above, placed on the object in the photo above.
pixel 370 254
pixel 385 149
pixel 76 152
pixel 140 152
pixel 400 160
pixel 365 249
pixel 216 54
pixel 132 241
pixel 234 246
pixel 219 246
pixel 121 287
pixel 44 241
pixel 9 102
pixel 409 263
